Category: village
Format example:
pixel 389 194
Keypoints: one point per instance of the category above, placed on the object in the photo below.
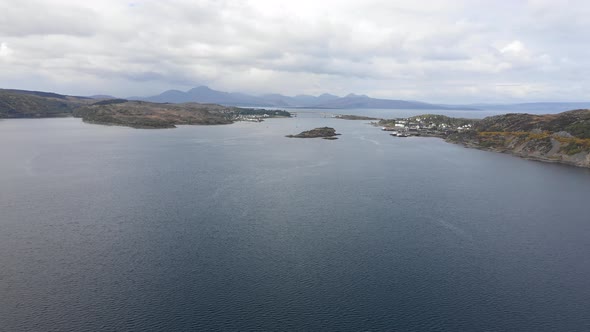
pixel 425 125
pixel 259 115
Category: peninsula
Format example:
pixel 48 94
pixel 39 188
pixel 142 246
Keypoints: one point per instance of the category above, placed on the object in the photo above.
pixel 562 138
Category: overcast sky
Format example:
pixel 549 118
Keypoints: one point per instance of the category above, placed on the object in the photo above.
pixel 431 50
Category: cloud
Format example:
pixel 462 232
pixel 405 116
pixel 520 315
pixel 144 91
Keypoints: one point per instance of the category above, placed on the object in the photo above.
pixel 5 51
pixel 435 50
pixel 515 48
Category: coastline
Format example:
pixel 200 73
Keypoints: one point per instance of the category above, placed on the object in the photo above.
pixel 554 160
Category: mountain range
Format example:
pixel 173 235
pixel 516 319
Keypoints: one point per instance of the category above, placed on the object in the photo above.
pixel 204 94
pixel 22 103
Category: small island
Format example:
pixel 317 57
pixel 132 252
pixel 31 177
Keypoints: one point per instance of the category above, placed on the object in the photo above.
pixel 323 132
pixel 355 117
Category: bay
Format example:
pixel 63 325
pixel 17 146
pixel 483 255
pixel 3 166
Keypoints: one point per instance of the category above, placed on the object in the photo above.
pixel 239 228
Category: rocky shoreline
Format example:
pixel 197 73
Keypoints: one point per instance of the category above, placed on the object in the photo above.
pixel 528 151
pixel 559 138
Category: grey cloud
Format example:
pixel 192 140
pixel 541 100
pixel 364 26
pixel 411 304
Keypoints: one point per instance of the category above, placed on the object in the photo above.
pixel 34 17
pixel 447 51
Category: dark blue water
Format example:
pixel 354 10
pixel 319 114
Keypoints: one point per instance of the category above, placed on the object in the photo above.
pixel 239 228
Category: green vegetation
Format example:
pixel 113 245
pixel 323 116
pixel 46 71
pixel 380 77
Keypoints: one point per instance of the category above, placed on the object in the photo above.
pixel 579 129
pixel 572 148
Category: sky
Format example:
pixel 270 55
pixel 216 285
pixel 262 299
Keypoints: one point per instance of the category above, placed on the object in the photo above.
pixel 461 51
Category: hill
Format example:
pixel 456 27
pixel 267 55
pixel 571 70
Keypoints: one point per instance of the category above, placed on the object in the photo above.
pixel 563 137
pixel 137 114
pixel 37 104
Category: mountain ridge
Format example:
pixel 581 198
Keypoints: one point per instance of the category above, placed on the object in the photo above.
pixel 204 94
pixel 323 101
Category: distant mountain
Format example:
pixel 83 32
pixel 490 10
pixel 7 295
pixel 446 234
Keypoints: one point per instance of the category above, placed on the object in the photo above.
pixel 363 101
pixel 299 100
pixel 538 107
pixel 23 103
pixel 204 94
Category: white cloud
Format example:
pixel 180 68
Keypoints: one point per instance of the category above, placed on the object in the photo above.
pixel 5 51
pixel 514 48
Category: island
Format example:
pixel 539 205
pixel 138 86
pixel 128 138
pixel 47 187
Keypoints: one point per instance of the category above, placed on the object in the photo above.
pixel 141 114
pixel 323 132
pixel 122 112
pixel 354 117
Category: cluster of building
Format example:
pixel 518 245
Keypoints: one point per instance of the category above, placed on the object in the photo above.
pixel 423 126
pixel 252 117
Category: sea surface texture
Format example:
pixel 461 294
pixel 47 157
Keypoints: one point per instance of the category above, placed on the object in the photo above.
pixel 239 228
